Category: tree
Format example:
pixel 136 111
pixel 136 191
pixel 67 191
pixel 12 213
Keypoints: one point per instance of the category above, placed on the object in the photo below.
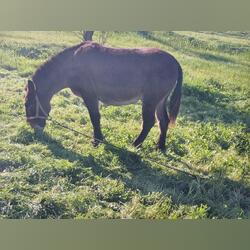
pixel 101 36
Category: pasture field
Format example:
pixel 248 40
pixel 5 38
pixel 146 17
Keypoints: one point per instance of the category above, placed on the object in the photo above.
pixel 58 174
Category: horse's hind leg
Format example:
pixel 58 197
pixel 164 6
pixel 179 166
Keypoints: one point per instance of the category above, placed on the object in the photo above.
pixel 148 116
pixel 93 108
pixel 163 119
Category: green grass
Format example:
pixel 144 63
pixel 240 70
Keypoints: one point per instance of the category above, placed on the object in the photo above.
pixel 59 174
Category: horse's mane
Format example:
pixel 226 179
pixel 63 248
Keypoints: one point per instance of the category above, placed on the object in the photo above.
pixel 47 66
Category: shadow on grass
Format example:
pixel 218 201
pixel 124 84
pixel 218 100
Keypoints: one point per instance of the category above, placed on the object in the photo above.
pixel 172 41
pixel 60 152
pixel 210 106
pixel 215 58
pixel 210 57
pixel 226 198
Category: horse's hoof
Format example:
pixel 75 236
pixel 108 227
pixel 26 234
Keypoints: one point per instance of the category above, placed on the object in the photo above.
pixel 161 148
pixel 96 143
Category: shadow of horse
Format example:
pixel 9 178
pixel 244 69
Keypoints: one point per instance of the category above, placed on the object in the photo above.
pixel 224 196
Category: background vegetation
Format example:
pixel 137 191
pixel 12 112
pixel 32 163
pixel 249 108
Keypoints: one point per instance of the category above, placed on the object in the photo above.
pixel 59 174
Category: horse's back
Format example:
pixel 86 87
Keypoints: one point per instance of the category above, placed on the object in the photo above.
pixel 121 76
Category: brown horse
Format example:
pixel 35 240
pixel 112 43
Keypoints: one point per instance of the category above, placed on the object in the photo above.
pixel 114 76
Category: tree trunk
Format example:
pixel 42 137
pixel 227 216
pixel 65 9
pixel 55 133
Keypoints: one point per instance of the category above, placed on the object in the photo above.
pixel 87 35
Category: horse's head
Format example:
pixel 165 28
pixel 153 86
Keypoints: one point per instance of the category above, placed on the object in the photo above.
pixel 37 109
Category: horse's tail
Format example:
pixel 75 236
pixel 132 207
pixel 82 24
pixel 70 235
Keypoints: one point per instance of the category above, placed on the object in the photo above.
pixel 175 99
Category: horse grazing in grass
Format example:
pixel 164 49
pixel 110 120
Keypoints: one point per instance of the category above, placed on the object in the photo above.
pixel 114 76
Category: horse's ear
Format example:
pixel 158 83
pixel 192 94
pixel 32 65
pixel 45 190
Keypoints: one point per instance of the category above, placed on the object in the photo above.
pixel 31 86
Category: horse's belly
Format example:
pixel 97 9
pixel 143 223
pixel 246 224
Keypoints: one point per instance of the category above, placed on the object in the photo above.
pixel 120 102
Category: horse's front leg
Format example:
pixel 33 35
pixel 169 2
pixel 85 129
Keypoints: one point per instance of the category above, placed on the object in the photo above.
pixel 92 105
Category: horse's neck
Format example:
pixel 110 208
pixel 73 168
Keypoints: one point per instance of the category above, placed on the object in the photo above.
pixel 47 89
pixel 52 81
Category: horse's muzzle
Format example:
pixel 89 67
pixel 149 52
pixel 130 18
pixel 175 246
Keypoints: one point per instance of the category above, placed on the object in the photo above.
pixel 37 125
